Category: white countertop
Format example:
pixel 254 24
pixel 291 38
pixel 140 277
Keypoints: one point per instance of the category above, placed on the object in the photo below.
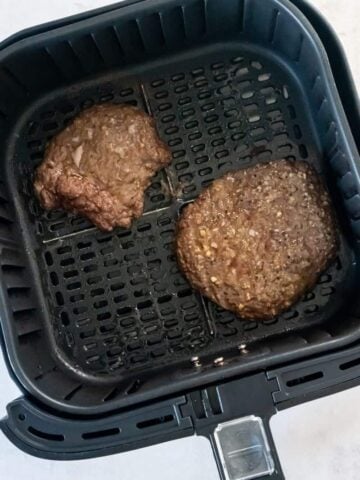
pixel 319 440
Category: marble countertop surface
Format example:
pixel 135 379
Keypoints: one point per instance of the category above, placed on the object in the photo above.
pixel 319 440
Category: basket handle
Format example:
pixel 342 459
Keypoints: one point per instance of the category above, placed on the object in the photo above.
pixel 208 412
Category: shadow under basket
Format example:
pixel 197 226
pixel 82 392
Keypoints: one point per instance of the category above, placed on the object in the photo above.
pixel 95 321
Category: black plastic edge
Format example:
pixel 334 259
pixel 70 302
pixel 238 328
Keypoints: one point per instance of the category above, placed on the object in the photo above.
pixel 65 21
pixel 47 435
pixel 303 379
pixel 340 66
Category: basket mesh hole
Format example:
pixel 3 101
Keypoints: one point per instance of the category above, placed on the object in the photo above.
pixel 65 319
pixel 303 151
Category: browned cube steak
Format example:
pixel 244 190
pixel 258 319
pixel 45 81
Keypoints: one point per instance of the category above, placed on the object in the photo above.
pixel 257 239
pixel 101 164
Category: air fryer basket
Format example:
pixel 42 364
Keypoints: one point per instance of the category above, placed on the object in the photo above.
pixel 94 321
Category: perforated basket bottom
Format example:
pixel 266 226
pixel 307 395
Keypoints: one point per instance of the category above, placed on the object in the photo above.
pixel 117 302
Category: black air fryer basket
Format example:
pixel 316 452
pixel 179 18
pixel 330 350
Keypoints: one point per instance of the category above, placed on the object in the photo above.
pixel 111 346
